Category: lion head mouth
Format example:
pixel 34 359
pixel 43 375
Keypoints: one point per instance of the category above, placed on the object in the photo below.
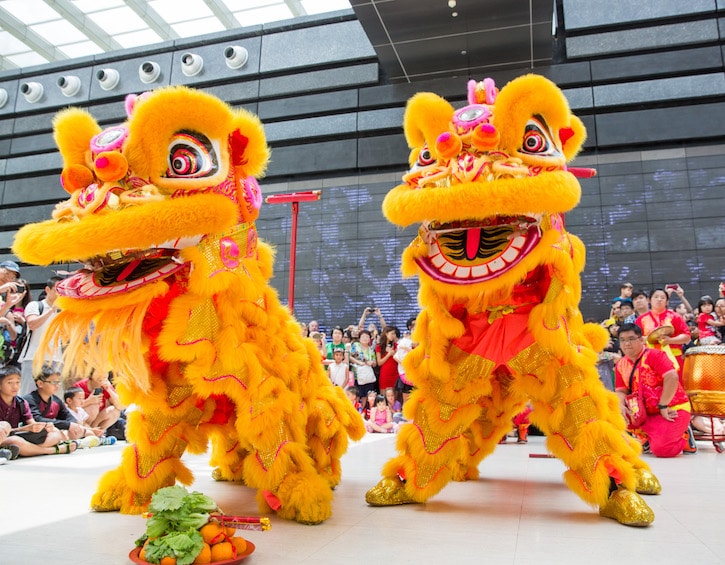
pixel 472 251
pixel 122 271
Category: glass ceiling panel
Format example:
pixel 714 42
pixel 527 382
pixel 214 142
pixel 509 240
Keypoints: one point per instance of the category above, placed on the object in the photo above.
pixel 57 32
pixel 263 15
pixel 10 45
pixel 80 49
pixel 118 20
pixel 30 11
pixel 27 59
pixel 187 18
pixel 322 6
pixel 198 27
pixel 138 38
pixel 90 6
pixel 174 11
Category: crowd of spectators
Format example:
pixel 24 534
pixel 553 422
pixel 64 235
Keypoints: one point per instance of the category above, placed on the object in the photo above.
pixel 639 323
pixel 366 360
pixel 39 413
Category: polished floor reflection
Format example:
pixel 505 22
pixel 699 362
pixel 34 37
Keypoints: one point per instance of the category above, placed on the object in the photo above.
pixel 518 512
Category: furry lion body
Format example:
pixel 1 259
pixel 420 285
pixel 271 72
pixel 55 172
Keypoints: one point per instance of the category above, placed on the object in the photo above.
pixel 175 299
pixel 499 292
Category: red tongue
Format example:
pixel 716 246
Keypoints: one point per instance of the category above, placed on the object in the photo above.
pixel 128 270
pixel 473 239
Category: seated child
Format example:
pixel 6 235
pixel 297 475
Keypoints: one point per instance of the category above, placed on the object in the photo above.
pixel 368 404
pixel 45 406
pixel 33 438
pixel 352 393
pixel 381 418
pixel 394 405
pixel 101 400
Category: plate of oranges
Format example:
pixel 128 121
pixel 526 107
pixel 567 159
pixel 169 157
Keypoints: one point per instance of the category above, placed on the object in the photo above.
pixel 221 547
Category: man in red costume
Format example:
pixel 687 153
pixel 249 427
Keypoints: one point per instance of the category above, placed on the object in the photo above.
pixel 652 373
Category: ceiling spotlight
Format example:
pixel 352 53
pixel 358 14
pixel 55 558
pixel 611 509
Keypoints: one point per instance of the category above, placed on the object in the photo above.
pixel 191 64
pixel 108 78
pixel 451 3
pixel 3 97
pixel 149 71
pixel 70 85
pixel 236 56
pixel 464 52
pixel 454 14
pixel 32 91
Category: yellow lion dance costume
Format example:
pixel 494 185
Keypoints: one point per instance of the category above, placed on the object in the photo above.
pixel 499 291
pixel 175 299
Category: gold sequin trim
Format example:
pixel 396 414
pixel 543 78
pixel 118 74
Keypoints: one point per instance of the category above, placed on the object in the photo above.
pixel 528 361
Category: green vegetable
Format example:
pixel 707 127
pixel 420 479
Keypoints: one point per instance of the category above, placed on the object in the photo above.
pixel 173 527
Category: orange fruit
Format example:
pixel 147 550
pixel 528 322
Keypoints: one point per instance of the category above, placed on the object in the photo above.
pixel 204 555
pixel 230 532
pixel 240 543
pixel 222 551
pixel 212 532
pixel 168 560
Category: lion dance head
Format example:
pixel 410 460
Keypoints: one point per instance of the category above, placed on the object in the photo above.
pixel 487 182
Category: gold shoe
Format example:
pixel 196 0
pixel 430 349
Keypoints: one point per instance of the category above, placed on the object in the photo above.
pixel 627 508
pixel 647 483
pixel 388 492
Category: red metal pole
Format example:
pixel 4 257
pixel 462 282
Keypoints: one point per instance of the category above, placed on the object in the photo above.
pixel 293 257
pixel 294 198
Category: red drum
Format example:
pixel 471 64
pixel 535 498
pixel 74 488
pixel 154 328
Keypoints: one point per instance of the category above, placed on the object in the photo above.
pixel 704 379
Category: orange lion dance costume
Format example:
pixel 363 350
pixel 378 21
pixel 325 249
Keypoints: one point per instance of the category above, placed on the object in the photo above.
pixel 499 290
pixel 175 299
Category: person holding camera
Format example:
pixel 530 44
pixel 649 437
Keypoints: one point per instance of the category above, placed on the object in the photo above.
pixel 372 328
pixel 101 400
pixel 385 353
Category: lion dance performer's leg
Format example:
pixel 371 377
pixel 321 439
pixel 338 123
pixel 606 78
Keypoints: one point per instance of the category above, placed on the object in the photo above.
pixel 586 431
pixel 459 410
pixel 294 430
pixel 159 432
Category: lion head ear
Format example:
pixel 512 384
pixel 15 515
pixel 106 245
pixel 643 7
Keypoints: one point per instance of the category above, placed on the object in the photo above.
pixel 573 137
pixel 249 152
pixel 73 129
pixel 427 115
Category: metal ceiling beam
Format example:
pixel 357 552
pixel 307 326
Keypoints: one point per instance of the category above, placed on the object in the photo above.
pixel 33 40
pixel 152 19
pixel 296 7
pixel 222 13
pixel 84 24
pixel 7 65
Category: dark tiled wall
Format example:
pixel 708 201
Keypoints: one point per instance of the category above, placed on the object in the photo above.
pixel 652 218
pixel 348 255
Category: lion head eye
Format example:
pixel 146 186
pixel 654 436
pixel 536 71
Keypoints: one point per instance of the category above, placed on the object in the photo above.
pixel 191 155
pixel 537 139
pixel 425 157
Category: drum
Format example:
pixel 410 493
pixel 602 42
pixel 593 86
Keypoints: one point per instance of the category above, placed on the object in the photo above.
pixel 704 379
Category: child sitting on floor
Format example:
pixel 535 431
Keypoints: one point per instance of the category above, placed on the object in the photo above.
pixel 381 418
pixel 33 438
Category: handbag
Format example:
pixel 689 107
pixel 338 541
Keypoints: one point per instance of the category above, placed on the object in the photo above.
pixel 636 411
pixel 365 375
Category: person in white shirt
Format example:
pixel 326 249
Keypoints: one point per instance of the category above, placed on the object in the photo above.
pixel 38 316
pixel 338 369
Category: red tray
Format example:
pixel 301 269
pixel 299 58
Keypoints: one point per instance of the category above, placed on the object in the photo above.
pixel 134 556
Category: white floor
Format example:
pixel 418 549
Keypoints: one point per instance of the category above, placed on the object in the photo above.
pixel 518 512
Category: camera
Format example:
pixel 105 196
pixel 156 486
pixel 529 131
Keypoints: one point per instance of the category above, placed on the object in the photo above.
pixel 671 287
pixel 98 390
pixel 19 287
